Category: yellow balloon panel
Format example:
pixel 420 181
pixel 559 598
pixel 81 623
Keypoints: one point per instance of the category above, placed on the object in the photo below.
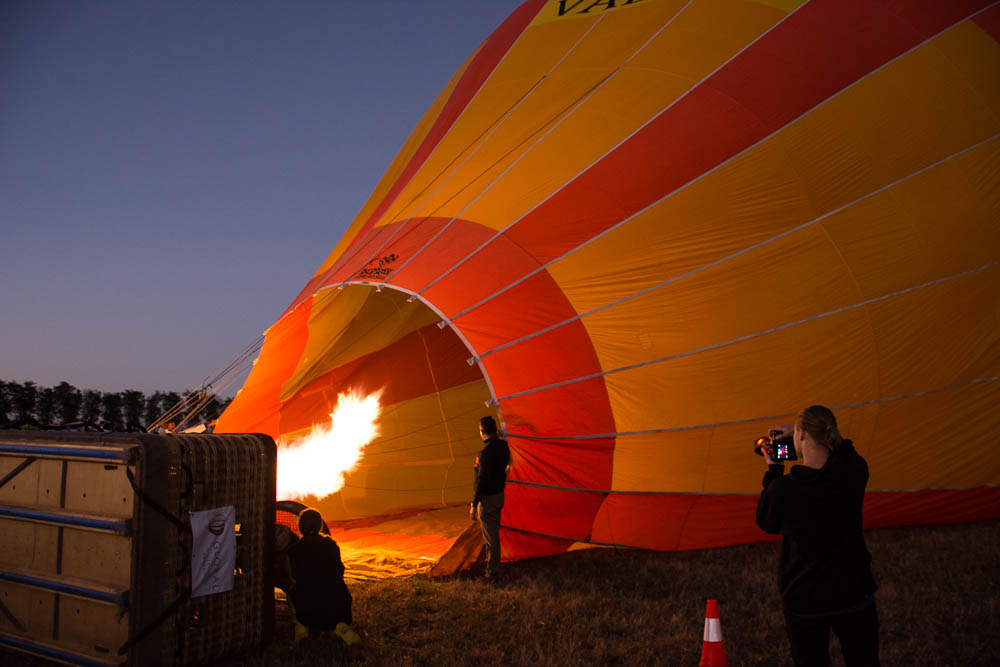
pixel 384 491
pixel 717 458
pixel 423 456
pixel 919 230
pixel 630 98
pixel 904 117
pixel 980 52
pixel 673 462
pixel 528 84
pixel 755 377
pixel 345 325
pixel 756 195
pixel 751 199
pixel 691 45
pixel 437 428
pixel 514 76
pixel 933 337
pixel 473 166
pixel 798 277
pixel 937 440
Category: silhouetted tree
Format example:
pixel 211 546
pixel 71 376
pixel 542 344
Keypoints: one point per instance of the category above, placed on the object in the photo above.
pixel 170 399
pixel 133 403
pixel 5 404
pixel 46 406
pixel 111 410
pixel 68 399
pixel 152 408
pixel 91 405
pixel 24 401
pixel 210 411
pixel 214 408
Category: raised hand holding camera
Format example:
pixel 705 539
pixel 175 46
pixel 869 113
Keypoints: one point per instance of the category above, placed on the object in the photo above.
pixel 778 445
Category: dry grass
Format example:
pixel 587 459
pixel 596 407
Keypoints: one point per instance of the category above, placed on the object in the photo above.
pixel 939 603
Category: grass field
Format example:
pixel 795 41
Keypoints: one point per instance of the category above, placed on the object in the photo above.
pixel 938 598
pixel 939 604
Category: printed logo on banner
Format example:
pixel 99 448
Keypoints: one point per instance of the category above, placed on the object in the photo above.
pixel 213 553
pixel 379 271
pixel 558 9
pixel 217 525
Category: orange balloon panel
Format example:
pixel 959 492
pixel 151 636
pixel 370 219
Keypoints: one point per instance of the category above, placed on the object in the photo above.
pixel 642 232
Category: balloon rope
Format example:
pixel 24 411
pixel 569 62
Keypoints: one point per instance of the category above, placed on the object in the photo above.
pixel 564 115
pixel 757 334
pixel 499 160
pixel 699 177
pixel 587 540
pixel 692 272
pixel 559 118
pixel 623 492
pixel 193 402
pixel 623 141
pixel 749 420
pixel 347 259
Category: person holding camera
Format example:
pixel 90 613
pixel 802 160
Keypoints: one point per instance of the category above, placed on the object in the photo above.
pixel 825 575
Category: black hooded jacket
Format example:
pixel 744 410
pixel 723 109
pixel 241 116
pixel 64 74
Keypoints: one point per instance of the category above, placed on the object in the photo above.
pixel 491 468
pixel 825 565
pixel 320 595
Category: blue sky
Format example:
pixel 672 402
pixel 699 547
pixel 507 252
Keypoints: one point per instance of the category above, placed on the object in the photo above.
pixel 171 173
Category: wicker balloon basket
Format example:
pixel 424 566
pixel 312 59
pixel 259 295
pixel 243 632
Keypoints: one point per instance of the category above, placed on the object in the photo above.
pixel 99 555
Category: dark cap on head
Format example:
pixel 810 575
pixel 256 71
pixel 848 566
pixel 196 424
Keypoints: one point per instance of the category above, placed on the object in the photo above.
pixel 488 426
pixel 310 521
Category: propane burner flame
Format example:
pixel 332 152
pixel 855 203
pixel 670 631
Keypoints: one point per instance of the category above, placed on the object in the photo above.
pixel 317 464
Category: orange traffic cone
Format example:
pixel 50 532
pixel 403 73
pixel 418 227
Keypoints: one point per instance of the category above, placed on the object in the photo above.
pixel 713 653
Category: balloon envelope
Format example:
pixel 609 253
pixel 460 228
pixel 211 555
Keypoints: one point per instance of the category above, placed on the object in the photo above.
pixel 642 233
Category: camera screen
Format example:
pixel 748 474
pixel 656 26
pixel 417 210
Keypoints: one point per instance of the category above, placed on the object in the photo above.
pixel 781 451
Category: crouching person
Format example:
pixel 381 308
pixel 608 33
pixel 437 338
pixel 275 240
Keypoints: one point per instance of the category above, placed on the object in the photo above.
pixel 320 599
pixel 284 538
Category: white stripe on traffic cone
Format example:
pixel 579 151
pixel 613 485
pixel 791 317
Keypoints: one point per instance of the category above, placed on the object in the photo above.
pixel 713 652
pixel 713 630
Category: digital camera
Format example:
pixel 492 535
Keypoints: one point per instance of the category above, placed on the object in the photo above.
pixel 779 449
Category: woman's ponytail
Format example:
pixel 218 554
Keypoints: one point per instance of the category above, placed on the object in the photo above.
pixel 818 421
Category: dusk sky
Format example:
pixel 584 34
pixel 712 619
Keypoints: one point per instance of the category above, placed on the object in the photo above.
pixel 172 173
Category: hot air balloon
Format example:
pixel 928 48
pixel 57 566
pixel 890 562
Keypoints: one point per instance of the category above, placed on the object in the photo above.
pixel 639 233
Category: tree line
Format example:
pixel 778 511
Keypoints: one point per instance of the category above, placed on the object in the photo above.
pixel 26 405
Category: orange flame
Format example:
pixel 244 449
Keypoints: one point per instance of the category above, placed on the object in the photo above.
pixel 317 464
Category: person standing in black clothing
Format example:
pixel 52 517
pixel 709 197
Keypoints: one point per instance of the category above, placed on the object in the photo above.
pixel 825 576
pixel 490 479
pixel 319 595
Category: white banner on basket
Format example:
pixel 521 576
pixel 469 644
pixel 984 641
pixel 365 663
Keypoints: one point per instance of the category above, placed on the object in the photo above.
pixel 213 554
